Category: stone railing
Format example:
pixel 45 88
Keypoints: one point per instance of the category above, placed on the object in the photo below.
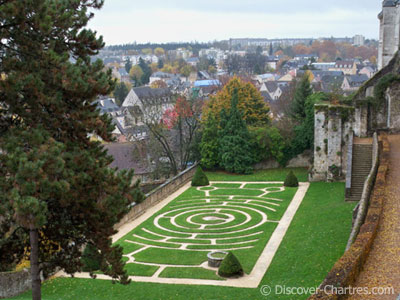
pixel 160 193
pixel 347 269
pixel 349 170
pixel 14 283
pixel 362 206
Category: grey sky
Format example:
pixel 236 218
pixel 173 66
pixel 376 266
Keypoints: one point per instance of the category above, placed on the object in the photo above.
pixel 126 21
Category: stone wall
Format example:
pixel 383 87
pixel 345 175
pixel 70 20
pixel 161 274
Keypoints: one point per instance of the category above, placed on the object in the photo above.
pixel 14 283
pixel 333 127
pixel 300 161
pixel 347 269
pixel 393 96
pixel 157 195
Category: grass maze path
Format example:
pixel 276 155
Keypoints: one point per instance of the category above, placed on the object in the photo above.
pixel 228 216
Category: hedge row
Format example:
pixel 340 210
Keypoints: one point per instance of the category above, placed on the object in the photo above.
pixel 347 269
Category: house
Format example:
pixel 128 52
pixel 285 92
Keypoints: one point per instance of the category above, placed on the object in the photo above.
pixel 331 83
pixel 307 57
pixel 272 88
pixel 286 78
pixel 156 76
pixel 107 106
pixel 266 96
pixel 272 62
pixel 368 70
pixel 193 61
pixel 347 67
pixel 124 75
pixel 205 88
pixel 202 83
pixel 122 154
pixel 323 66
pixel 264 77
pixel 352 83
pixel 203 75
pixel 145 104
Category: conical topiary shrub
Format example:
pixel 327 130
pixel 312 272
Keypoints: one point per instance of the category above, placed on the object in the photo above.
pixel 91 259
pixel 200 179
pixel 230 267
pixel 291 180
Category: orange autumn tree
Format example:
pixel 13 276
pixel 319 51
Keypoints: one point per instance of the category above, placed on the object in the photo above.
pixel 254 110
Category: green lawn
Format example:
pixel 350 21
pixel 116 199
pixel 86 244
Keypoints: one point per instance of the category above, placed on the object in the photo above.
pixel 314 241
pixel 232 219
pixel 262 175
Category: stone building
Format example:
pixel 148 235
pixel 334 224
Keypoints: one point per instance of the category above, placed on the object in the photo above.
pixel 389 32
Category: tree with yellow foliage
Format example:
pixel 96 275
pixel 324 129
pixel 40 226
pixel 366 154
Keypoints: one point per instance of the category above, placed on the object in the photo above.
pixel 251 105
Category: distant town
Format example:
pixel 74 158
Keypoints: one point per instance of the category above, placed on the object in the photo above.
pixel 146 73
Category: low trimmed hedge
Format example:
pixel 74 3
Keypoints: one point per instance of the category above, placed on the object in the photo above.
pixel 200 178
pixel 347 269
pixel 291 180
pixel 230 267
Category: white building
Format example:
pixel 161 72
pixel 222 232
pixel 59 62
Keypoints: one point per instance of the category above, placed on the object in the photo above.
pixel 359 40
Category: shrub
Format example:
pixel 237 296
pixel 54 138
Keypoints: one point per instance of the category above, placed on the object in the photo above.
pixel 230 267
pixel 291 180
pixel 91 259
pixel 200 179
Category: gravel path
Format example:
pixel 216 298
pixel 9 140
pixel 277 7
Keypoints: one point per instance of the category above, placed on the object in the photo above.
pixel 382 268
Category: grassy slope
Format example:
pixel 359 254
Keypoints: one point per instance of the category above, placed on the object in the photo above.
pixel 315 240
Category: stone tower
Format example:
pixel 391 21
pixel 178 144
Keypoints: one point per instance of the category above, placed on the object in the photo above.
pixel 389 33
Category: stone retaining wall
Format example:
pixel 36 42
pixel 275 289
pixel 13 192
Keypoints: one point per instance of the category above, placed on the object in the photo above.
pixel 160 193
pixel 347 269
pixel 14 283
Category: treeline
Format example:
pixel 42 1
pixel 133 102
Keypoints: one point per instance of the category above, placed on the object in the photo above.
pixel 167 46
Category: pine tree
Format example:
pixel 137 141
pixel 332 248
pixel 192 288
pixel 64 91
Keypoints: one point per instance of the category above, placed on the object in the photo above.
pixel 57 192
pixel 145 79
pixel 235 149
pixel 128 65
pixel 120 93
pixel 298 107
pixel 209 146
pixel 160 64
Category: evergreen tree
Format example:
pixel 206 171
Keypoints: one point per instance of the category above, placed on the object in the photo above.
pixel 209 146
pixel 200 178
pixel 298 107
pixel 160 64
pixel 120 92
pixel 57 192
pixel 145 79
pixel 304 132
pixel 128 65
pixel 235 149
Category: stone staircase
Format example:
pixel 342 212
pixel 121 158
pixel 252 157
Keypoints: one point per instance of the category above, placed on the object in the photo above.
pixel 362 163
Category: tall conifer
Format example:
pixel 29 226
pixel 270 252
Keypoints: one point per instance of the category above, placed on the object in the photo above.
pixel 235 149
pixel 57 193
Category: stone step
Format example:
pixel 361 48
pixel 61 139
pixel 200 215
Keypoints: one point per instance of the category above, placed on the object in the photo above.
pixel 361 167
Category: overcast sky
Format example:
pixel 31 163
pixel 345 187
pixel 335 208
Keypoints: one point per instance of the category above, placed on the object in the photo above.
pixel 126 21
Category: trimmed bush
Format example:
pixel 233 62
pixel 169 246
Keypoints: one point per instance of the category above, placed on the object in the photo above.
pixel 91 259
pixel 291 180
pixel 230 267
pixel 200 178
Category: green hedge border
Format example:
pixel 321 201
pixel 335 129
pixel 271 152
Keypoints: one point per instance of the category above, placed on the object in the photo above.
pixel 347 269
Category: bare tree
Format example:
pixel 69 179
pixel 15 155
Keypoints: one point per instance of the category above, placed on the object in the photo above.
pixel 173 126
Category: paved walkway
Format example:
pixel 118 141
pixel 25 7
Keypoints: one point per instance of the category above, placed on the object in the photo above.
pixel 382 268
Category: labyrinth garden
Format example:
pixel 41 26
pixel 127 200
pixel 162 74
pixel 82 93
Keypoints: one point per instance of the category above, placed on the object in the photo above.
pixel 228 216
